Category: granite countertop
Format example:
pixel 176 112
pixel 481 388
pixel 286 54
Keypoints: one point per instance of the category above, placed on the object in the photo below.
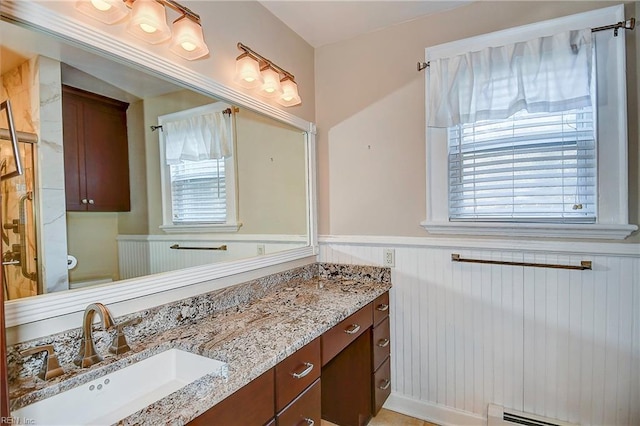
pixel 250 337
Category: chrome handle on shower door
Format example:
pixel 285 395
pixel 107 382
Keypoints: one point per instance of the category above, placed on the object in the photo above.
pixel 6 105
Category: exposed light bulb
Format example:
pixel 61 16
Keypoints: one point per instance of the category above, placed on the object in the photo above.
pixel 188 46
pixel 107 11
pixel 149 29
pixel 101 5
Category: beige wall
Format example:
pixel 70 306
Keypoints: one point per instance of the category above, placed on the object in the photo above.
pixel 271 176
pixel 370 115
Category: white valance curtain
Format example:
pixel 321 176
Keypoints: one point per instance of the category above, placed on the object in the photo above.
pixel 200 137
pixel 546 74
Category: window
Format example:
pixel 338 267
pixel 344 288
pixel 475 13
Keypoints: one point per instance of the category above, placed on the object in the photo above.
pixel 558 172
pixel 529 167
pixel 198 170
pixel 198 192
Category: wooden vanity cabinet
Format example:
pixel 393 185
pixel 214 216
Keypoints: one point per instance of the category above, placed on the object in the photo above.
pixel 250 405
pixel 350 387
pixel 286 395
pixel 298 387
pixel 96 154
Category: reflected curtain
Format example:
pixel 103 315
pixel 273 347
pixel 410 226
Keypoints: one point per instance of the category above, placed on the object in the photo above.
pixel 546 74
pixel 201 137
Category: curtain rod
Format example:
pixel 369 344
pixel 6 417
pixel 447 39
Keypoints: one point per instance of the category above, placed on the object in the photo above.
pixel 228 111
pixel 615 27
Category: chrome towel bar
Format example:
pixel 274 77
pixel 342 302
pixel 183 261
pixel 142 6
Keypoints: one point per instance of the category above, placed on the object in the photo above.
pixel 584 265
pixel 177 247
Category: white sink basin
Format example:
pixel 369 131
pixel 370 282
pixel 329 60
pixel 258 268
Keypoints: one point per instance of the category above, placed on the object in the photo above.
pixel 117 395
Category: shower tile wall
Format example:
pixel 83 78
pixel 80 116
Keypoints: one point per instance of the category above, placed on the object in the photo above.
pixel 52 230
pixel 17 85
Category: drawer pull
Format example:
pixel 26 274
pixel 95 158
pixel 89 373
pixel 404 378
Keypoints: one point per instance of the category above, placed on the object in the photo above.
pixel 309 421
pixel 383 343
pixel 353 329
pixel 304 372
pixel 386 384
pixel 382 307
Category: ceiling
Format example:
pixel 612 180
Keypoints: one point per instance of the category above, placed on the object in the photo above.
pixel 325 22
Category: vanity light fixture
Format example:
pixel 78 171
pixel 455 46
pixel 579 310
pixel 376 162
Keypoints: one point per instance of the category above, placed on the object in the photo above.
pixel 289 96
pixel 188 39
pixel 271 86
pixel 255 71
pixel 148 22
pixel 248 72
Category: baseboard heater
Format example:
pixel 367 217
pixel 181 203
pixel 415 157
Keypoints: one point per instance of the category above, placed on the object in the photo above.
pixel 499 416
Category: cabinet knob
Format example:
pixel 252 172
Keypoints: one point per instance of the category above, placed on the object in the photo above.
pixel 84 201
pixel 309 421
pixel 91 201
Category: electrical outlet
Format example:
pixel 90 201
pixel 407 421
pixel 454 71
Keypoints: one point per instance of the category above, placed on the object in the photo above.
pixel 389 258
pixel 260 249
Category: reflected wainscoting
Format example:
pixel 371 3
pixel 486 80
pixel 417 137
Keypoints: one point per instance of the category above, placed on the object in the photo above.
pixel 140 255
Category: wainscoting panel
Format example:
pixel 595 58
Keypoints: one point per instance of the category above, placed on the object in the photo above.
pixel 563 344
pixel 140 255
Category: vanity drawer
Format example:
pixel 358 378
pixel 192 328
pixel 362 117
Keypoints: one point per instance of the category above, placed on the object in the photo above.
pixel 296 372
pixel 304 410
pixel 339 337
pixel 380 308
pixel 381 343
pixel 381 385
pixel 250 405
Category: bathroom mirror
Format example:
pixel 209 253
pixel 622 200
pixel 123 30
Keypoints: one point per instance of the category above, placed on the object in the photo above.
pixel 272 173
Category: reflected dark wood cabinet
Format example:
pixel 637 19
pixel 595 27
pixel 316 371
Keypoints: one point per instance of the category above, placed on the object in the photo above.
pixel 96 158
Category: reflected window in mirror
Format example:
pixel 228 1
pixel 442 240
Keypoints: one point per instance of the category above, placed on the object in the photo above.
pixel 198 169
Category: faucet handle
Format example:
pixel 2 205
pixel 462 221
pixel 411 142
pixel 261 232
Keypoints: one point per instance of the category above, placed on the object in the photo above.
pixel 119 344
pixel 50 365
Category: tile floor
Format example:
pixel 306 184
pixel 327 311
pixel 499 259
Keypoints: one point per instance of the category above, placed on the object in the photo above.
pixel 391 418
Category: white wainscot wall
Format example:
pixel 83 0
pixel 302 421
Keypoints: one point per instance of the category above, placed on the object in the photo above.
pixel 563 344
pixel 140 255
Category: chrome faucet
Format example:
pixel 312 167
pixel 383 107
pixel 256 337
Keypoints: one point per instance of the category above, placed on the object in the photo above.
pixel 87 355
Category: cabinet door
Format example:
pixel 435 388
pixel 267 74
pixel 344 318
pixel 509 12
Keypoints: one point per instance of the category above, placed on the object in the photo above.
pixel 74 171
pixel 252 405
pixel 381 343
pixel 96 153
pixel 304 410
pixel 106 157
pixel 382 385
pixel 297 372
pixel 346 384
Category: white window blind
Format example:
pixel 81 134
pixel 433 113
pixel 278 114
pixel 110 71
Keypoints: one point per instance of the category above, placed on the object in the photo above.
pixel 533 167
pixel 198 192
